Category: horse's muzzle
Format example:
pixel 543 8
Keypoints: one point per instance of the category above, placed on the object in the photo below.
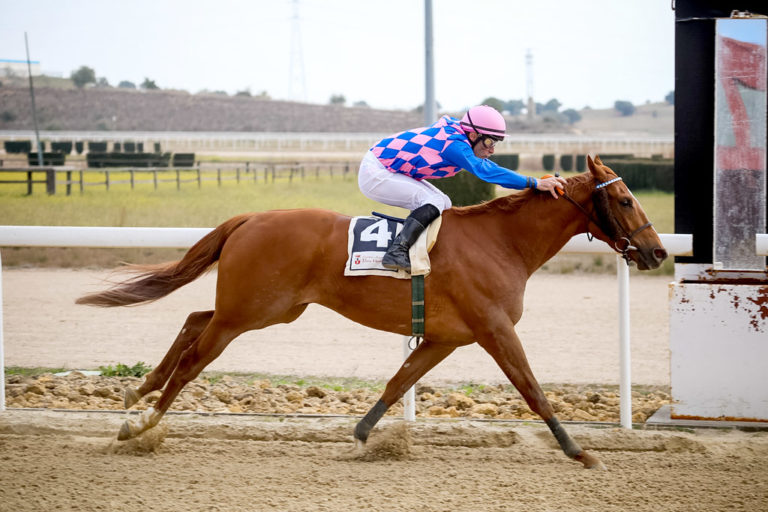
pixel 648 258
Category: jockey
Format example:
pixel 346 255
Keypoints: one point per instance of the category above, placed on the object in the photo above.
pixel 394 171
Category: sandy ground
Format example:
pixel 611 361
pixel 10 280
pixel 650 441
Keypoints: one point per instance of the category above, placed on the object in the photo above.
pixel 70 461
pixel 56 460
pixel 43 327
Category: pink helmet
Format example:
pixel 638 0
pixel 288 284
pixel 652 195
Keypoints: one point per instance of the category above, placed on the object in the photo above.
pixel 486 120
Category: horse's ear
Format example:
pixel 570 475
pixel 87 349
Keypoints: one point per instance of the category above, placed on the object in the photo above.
pixel 591 165
pixel 594 168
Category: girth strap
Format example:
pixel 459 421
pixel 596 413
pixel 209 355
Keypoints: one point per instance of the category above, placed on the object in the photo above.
pixel 417 306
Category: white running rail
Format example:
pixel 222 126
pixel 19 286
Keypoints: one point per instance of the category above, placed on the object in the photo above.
pixel 69 236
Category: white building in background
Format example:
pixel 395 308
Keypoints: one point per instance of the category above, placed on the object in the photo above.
pixel 11 67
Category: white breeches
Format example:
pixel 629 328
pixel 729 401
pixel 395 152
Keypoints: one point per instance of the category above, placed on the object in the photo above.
pixel 381 185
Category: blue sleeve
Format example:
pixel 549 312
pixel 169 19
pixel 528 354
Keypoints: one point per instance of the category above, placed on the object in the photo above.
pixel 461 155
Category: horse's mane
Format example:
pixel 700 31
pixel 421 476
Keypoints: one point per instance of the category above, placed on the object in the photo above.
pixel 512 202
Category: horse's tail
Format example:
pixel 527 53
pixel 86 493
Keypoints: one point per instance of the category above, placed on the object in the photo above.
pixel 152 282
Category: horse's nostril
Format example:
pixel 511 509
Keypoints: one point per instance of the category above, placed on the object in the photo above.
pixel 660 254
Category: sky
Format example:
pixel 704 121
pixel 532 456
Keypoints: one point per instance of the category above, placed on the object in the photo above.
pixel 585 53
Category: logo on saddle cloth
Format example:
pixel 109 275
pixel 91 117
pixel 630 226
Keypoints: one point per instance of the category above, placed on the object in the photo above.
pixel 368 240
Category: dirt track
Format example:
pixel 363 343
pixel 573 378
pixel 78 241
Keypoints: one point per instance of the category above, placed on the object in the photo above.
pixel 569 330
pixel 70 461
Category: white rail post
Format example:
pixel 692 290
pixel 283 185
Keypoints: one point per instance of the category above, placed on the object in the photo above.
pixel 2 354
pixel 625 358
pixel 409 398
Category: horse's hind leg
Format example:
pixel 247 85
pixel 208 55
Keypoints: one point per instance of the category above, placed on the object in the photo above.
pixel 156 379
pixel 421 360
pixel 508 352
pixel 208 346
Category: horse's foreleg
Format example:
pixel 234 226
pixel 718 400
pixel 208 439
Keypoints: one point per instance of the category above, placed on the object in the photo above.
pixel 508 352
pixel 157 378
pixel 421 360
pixel 208 346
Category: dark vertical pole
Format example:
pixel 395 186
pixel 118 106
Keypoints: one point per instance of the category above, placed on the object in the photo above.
pixel 40 161
pixel 694 117
pixel 50 181
pixel 694 131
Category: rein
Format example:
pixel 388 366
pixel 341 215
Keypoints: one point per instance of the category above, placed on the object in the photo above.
pixel 625 240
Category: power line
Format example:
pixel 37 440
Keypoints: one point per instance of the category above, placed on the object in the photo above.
pixel 297 87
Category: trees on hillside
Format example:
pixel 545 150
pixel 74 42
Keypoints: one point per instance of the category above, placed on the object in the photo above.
pixel 571 115
pixel 84 75
pixel 148 84
pixel 125 84
pixel 625 108
pixel 494 102
pixel 551 106
pixel 514 107
pixel 337 99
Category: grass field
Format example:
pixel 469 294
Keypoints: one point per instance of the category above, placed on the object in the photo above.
pixel 208 206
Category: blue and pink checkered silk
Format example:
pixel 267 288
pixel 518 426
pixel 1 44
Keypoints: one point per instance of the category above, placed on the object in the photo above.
pixel 418 153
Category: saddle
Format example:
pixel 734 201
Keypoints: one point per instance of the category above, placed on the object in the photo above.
pixel 369 238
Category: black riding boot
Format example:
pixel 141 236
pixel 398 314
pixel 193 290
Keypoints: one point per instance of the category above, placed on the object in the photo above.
pixel 396 257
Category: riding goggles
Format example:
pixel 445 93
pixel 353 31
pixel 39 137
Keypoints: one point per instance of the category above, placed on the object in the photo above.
pixel 489 141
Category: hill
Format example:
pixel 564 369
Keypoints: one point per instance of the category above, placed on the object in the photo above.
pixel 130 110
pixel 110 109
pixel 652 119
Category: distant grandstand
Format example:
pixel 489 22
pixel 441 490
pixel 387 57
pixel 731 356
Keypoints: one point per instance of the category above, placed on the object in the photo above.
pixel 10 67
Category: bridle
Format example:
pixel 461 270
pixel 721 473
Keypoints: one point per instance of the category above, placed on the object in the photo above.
pixel 622 244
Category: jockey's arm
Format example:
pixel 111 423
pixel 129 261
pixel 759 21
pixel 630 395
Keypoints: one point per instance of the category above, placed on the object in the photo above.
pixel 487 170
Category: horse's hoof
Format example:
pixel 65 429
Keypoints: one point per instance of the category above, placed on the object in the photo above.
pixel 590 461
pixel 125 432
pixel 131 397
pixel 359 445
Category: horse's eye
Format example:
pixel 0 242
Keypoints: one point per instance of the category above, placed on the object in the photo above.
pixel 626 202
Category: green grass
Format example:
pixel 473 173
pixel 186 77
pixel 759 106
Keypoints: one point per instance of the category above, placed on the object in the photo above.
pixel 191 206
pixel 210 205
pixel 32 371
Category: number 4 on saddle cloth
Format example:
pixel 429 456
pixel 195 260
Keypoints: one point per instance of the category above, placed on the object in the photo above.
pixel 369 238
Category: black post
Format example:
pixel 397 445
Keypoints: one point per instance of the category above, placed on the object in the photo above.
pixel 695 117
pixel 50 181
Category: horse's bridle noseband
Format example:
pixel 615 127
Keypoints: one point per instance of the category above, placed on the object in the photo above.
pixel 625 240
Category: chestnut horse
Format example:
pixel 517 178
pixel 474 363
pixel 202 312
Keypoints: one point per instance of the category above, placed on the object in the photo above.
pixel 271 265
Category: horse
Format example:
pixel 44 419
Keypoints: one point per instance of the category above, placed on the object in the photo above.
pixel 272 264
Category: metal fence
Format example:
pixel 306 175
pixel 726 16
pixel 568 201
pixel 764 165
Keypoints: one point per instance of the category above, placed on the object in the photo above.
pixel 68 178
